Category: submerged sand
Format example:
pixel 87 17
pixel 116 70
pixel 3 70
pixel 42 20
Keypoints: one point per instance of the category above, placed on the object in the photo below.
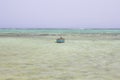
pixel 81 57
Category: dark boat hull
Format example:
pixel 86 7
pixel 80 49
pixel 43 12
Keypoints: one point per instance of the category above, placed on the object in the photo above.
pixel 60 41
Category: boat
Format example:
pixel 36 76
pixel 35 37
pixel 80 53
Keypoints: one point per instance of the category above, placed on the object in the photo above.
pixel 60 40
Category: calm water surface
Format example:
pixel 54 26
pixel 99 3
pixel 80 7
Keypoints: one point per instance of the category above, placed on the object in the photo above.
pixel 53 31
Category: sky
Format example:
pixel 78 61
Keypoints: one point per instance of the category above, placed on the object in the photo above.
pixel 59 13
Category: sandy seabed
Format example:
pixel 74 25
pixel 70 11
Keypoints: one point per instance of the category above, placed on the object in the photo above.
pixel 81 57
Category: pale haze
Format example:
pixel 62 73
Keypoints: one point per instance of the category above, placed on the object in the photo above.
pixel 59 13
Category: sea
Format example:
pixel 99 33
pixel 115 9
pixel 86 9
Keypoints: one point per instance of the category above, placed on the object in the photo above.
pixel 58 31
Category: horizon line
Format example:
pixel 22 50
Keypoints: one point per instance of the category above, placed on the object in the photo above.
pixel 59 28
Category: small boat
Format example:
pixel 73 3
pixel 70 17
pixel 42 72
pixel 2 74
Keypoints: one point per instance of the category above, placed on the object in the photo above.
pixel 60 40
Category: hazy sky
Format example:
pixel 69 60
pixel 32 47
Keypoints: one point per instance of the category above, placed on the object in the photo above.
pixel 60 13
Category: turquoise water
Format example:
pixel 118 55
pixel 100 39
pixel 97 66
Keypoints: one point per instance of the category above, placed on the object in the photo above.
pixel 54 31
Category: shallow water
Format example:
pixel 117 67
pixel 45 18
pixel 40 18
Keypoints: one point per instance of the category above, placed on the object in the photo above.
pixel 43 59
